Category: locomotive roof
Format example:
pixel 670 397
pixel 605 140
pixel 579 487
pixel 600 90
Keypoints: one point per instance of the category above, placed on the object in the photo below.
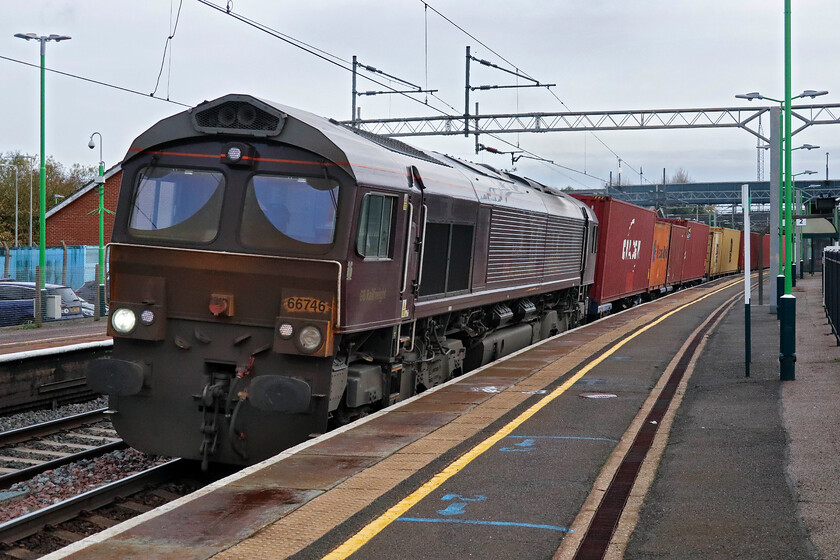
pixel 350 149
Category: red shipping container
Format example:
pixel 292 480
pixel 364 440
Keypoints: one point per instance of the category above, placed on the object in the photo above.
pixel 755 239
pixel 753 252
pixel 625 245
pixel 659 255
pixel 696 247
pixel 676 254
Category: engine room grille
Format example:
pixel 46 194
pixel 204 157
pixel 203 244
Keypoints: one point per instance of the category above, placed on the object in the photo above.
pixel 530 247
pixel 237 116
pixel 396 146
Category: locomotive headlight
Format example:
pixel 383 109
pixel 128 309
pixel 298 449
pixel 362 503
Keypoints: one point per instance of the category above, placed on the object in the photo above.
pixel 234 153
pixel 123 320
pixel 310 338
pixel 147 317
pixel 285 331
pixel 238 154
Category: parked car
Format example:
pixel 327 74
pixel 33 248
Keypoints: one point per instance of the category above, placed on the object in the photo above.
pixel 17 305
pixel 72 306
pixel 87 292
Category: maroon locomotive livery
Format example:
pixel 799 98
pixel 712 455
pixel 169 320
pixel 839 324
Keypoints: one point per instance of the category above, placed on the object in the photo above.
pixel 273 272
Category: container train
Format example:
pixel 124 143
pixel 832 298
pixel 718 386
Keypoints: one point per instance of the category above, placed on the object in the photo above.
pixel 274 272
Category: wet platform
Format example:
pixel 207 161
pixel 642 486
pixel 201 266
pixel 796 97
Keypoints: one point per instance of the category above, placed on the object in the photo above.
pixel 529 457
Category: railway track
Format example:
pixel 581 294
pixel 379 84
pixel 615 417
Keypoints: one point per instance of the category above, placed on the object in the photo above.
pixel 30 451
pixel 50 528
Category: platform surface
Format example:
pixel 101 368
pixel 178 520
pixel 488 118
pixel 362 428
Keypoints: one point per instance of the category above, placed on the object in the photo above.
pixel 511 461
pixel 52 335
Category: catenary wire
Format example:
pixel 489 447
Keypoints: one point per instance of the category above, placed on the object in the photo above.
pixel 97 82
pixel 480 42
pixel 332 59
pixel 166 47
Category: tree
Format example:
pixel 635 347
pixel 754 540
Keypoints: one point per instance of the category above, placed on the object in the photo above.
pixel 624 182
pixel 60 181
pixel 680 177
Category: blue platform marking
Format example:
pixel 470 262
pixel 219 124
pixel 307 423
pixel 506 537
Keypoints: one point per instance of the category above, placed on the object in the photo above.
pixel 458 507
pixel 494 523
pixel 478 498
pixel 566 437
pixel 524 445
pixel 453 509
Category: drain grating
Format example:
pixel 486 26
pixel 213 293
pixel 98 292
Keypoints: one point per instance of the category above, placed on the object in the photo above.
pixel 599 534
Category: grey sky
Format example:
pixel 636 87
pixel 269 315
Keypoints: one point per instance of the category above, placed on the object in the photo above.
pixel 603 55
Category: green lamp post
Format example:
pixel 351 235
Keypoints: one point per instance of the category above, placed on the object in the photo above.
pixel 43 39
pixel 100 181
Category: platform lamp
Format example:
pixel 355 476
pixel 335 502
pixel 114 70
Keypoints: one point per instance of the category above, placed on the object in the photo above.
pixel 42 220
pixel 756 95
pixel 100 182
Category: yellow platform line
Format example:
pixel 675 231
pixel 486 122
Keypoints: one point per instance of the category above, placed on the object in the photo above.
pixel 376 526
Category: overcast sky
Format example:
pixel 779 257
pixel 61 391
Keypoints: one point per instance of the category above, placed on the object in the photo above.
pixel 602 54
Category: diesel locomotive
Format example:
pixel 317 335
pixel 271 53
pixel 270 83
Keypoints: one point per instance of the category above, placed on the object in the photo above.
pixel 274 272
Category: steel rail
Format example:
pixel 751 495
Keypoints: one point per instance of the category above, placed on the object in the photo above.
pixel 47 428
pixel 6 480
pixel 29 524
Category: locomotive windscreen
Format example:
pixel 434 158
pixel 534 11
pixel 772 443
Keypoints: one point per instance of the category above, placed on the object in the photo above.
pixel 177 204
pixel 279 208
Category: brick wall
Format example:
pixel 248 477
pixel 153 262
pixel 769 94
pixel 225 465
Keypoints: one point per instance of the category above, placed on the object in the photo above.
pixel 78 222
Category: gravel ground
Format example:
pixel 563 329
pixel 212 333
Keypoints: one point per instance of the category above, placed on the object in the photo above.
pixel 23 419
pixel 70 480
pixel 76 478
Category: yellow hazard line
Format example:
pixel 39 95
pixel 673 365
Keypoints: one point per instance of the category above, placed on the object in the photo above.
pixel 376 526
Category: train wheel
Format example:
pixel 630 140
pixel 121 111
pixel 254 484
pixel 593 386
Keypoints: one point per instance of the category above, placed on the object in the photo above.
pixel 344 415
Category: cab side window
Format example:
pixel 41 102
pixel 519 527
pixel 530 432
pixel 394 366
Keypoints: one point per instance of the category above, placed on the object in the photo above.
pixel 375 227
pixel 447 259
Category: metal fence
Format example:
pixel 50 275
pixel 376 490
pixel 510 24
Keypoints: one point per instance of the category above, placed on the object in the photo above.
pixel 65 267
pixel 831 288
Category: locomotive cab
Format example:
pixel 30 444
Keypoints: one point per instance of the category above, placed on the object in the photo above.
pixel 225 295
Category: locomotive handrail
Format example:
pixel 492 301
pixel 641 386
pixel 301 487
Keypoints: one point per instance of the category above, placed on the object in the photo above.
pixel 407 246
pixel 422 248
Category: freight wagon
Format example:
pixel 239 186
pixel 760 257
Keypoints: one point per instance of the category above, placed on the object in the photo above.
pixel 696 249
pixel 625 250
pixel 660 256
pixel 676 253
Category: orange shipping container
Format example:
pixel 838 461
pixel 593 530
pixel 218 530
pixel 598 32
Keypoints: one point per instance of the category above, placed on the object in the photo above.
pixel 730 247
pixel 659 256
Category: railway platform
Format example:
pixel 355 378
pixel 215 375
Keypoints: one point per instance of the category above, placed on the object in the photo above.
pixel 637 436
pixel 52 337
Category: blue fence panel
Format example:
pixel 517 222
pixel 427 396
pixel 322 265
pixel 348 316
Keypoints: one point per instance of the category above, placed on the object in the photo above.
pixel 831 288
pixel 71 268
